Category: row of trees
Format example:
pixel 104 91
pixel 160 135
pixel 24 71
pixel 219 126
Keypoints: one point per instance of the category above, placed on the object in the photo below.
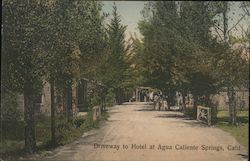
pixel 61 42
pixel 181 50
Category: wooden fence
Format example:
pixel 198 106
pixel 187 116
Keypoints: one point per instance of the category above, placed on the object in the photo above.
pixel 204 114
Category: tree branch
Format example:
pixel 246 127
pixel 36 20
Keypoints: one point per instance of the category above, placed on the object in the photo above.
pixel 218 34
pixel 237 22
pixel 245 8
pixel 218 27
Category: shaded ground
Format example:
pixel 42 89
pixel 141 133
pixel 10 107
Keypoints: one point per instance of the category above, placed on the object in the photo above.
pixel 239 132
pixel 158 135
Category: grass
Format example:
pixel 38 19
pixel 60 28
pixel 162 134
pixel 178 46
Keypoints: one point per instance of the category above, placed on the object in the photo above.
pixel 104 115
pixel 240 131
pixel 12 137
pixel 12 134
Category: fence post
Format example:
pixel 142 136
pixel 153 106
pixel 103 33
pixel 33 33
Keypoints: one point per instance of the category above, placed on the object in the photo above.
pixel 96 113
pixel 198 112
pixel 209 116
pixel 100 112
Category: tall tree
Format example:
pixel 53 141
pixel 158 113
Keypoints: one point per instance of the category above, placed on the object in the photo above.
pixel 230 65
pixel 159 43
pixel 196 20
pixel 71 47
pixel 114 66
pixel 21 71
pixel 178 47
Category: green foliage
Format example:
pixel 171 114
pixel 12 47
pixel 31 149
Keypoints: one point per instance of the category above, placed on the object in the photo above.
pixel 240 132
pixel 69 131
pixel 95 101
pixel 16 132
pixel 89 121
pixel 12 138
pixel 21 32
pixel 114 70
pixel 70 25
pixel 114 65
pixel 58 41
pixel 9 109
pixel 21 64
pixel 191 112
pixel 105 115
pixel 78 121
pixel 110 98
pixel 231 69
pixel 203 84
pixel 179 51
pixel 64 130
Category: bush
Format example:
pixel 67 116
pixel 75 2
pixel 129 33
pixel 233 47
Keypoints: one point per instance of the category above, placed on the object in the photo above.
pixel 95 101
pixel 110 98
pixel 68 131
pixel 63 130
pixel 9 110
pixel 12 130
pixel 79 121
pixel 89 121
pixel 192 112
pixel 214 112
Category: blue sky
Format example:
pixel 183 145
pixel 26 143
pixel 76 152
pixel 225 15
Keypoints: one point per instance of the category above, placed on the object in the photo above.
pixel 130 12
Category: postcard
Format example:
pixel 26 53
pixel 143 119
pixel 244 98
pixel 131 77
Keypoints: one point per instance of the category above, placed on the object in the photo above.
pixel 124 80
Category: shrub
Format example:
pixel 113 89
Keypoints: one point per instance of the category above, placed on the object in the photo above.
pixel 191 112
pixel 79 121
pixel 110 98
pixel 63 130
pixel 9 110
pixel 68 131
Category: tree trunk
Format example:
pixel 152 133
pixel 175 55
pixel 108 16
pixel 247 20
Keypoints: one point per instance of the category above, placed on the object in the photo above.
pixel 184 101
pixel 225 22
pixel 52 94
pixel 69 111
pixel 29 105
pixel 118 96
pixel 169 100
pixel 195 97
pixel 230 90
pixel 232 105
pixel 195 105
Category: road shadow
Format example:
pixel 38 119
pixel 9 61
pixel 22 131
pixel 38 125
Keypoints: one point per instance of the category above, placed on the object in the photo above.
pixel 240 119
pixel 137 103
pixel 127 104
pixel 145 109
pixel 197 124
pixel 171 115
pixel 185 119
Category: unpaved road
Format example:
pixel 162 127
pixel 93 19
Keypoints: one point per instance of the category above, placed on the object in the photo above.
pixel 135 123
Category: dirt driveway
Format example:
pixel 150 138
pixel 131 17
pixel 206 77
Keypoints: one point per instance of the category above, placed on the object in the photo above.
pixel 134 132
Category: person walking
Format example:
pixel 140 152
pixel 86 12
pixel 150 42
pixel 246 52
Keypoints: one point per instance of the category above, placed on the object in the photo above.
pixel 160 102
pixel 151 96
pixel 155 100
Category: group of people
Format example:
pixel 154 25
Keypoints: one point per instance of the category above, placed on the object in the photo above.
pixel 173 101
pixel 160 102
